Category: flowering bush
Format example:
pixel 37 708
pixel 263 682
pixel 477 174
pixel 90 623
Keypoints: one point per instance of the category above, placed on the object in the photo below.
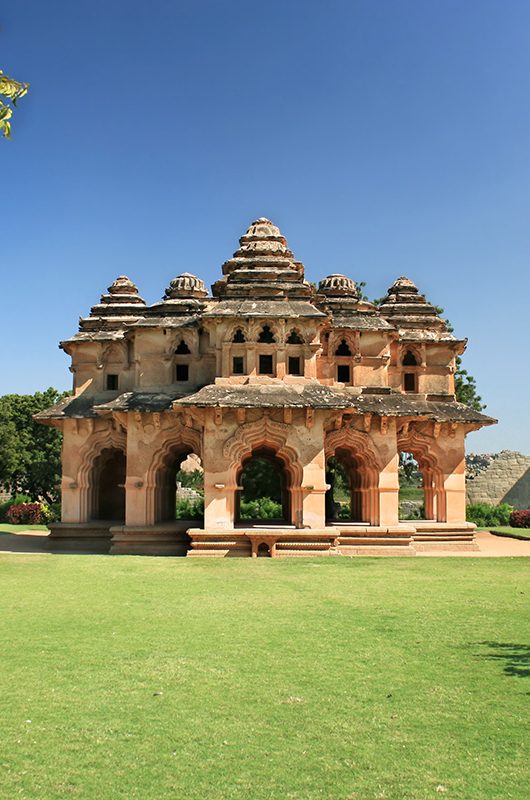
pixel 520 519
pixel 25 514
pixel 13 501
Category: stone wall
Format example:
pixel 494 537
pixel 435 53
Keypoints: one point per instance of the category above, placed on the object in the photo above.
pixel 499 478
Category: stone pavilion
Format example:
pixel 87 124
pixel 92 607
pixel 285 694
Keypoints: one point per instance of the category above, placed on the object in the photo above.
pixel 268 366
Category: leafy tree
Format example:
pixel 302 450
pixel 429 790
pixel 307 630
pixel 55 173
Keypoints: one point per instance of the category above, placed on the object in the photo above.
pixel 259 479
pixel 30 454
pixel 466 388
pixel 12 90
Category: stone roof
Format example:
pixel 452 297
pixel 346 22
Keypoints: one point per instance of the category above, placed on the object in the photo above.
pixel 263 267
pixel 263 308
pixel 122 299
pixel 383 402
pixel 360 322
pixel 407 309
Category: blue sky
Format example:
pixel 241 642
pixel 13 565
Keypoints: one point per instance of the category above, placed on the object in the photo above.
pixel 384 137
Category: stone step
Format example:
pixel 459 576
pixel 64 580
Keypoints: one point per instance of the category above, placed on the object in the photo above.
pixel 390 541
pixel 374 550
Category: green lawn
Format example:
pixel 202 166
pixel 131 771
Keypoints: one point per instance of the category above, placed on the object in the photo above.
pixel 411 493
pixel 518 533
pixel 5 528
pixel 342 679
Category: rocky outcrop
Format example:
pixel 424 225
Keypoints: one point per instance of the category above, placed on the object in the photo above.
pixel 499 478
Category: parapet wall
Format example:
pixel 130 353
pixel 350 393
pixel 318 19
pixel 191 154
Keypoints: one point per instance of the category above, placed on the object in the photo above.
pixel 505 479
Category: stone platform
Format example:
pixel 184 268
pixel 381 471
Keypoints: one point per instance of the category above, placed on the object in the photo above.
pixel 180 538
pixel 337 539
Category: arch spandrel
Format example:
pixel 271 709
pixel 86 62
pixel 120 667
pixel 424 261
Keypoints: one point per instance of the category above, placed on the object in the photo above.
pixel 263 433
pixel 98 441
pixel 352 439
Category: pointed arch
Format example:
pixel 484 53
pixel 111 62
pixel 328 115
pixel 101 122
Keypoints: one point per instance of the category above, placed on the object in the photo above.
pixel 179 442
pixel 356 450
pixel 270 435
pixel 110 438
pixel 422 448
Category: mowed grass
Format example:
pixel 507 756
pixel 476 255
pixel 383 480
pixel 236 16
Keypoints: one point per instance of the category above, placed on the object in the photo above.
pixel 507 530
pixel 343 679
pixel 6 528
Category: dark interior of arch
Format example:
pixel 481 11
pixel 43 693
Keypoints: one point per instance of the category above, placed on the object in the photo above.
pixel 263 478
pixel 409 359
pixel 266 336
pixel 166 487
pixel 294 338
pixel 344 497
pixel 343 349
pixel 109 485
pixel 182 349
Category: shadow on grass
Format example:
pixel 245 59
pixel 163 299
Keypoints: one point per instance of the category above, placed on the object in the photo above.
pixel 515 658
pixel 37 543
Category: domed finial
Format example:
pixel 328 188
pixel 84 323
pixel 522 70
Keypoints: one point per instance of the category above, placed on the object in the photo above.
pixel 122 290
pixel 185 286
pixel 338 286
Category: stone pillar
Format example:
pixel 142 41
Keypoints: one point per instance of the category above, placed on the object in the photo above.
pixel 219 488
pixel 71 502
pixel 387 500
pixel 251 359
pixel 281 366
pixel 314 486
pixel 453 463
pixel 139 455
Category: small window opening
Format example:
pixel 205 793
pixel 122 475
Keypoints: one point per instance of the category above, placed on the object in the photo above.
pixel 238 366
pixel 183 372
pixel 294 338
pixel 409 382
pixel 294 365
pixel 266 336
pixel 265 365
pixel 183 349
pixel 343 373
pixel 112 382
pixel 343 349
pixel 409 359
pixel 239 336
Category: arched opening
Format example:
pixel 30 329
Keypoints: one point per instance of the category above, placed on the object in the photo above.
pixel 264 550
pixel 294 337
pixel 420 489
pixel 343 349
pixel 266 335
pixel 409 359
pixel 108 485
pixel 411 496
pixel 410 374
pixel 183 349
pixel 263 494
pixel 344 498
pixel 179 490
pixel 238 337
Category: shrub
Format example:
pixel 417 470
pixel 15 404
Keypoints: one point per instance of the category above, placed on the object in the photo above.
pixel 520 519
pixel 25 514
pixel 486 515
pixel 14 501
pixel 189 509
pixel 262 508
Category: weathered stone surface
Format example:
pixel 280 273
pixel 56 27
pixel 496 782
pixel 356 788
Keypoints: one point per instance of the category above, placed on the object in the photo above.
pixel 269 367
pixel 503 478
